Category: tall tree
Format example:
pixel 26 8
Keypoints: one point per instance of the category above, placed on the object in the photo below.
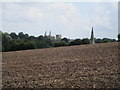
pixel 119 37
pixel 13 35
pixel 21 35
pixel 65 40
pixel 5 41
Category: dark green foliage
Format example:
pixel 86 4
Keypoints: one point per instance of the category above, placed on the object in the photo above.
pixel 40 37
pixel 26 36
pixel 48 41
pixel 44 42
pixel 14 42
pixel 113 40
pixel 32 38
pixel 1 41
pixel 119 38
pixel 106 40
pixel 58 44
pixel 20 45
pixel 21 35
pixel 76 42
pixel 65 40
pixel 98 40
pixel 14 35
pixel 30 45
pixel 5 41
pixel 85 41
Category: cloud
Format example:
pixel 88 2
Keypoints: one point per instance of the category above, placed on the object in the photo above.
pixel 64 11
pixel 35 13
pixel 60 1
pixel 13 12
pixel 56 15
pixel 108 12
pixel 0 16
pixel 103 21
pixel 104 16
pixel 69 19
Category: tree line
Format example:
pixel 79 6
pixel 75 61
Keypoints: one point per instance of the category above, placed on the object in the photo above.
pixel 21 41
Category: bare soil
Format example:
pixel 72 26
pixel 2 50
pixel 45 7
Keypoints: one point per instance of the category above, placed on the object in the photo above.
pixel 83 66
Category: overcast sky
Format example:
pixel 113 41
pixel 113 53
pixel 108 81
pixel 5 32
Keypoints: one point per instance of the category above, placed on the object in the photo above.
pixel 70 19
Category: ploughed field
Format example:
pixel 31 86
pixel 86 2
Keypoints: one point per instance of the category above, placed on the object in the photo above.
pixel 84 66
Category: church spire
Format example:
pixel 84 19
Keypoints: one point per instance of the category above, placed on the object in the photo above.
pixel 50 34
pixel 45 34
pixel 92 40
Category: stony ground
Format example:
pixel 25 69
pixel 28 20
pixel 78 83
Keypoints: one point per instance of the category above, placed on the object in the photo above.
pixel 85 66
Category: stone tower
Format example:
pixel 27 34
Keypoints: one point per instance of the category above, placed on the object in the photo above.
pixel 58 37
pixel 92 40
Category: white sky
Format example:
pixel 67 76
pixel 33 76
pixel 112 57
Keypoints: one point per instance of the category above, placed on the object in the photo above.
pixel 70 19
pixel 60 0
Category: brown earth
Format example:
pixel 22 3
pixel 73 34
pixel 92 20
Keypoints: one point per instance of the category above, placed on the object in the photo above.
pixel 85 66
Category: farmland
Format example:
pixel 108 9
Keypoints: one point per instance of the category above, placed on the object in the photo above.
pixel 82 66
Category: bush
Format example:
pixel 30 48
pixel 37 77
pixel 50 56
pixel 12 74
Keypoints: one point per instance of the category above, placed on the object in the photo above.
pixel 76 42
pixel 58 44
pixel 85 41
pixel 30 45
pixel 22 45
pixel 98 41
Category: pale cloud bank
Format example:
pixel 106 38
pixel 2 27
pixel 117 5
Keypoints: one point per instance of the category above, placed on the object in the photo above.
pixel 60 0
pixel 73 20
